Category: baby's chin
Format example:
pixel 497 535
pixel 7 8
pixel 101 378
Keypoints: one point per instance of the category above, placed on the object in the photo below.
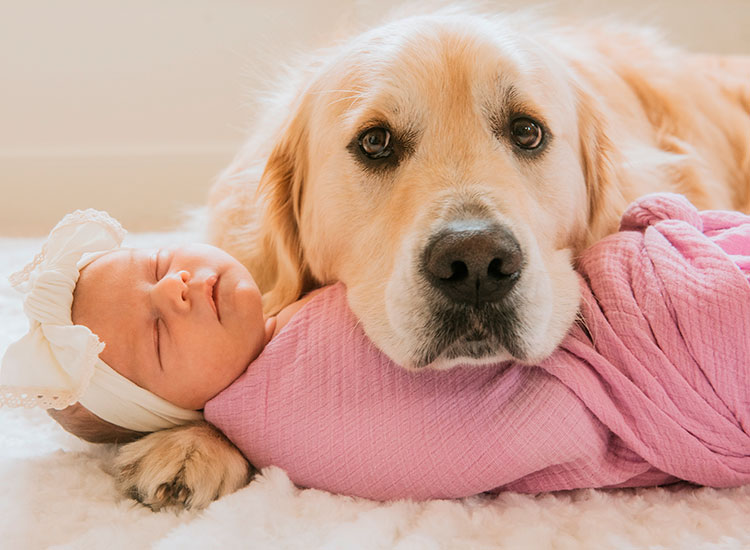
pixel 258 343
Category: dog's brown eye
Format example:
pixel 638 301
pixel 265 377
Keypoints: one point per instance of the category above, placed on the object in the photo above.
pixel 527 134
pixel 376 143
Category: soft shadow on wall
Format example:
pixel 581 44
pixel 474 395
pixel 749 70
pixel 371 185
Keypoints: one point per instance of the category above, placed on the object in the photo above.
pixel 134 107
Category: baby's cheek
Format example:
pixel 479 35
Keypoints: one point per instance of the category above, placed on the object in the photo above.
pixel 219 373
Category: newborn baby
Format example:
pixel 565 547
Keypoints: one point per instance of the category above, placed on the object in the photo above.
pixel 127 341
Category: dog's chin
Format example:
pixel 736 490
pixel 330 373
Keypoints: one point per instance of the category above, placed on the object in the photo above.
pixel 488 335
pixel 464 352
pixel 469 338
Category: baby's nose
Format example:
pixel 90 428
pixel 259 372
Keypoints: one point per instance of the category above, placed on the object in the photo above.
pixel 172 292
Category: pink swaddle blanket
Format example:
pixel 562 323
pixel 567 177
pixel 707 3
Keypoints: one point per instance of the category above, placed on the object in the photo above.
pixel 653 389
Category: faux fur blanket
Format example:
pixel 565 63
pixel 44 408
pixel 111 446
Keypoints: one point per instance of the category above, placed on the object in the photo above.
pixel 652 386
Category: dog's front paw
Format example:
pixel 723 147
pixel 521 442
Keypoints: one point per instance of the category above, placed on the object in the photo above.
pixel 185 467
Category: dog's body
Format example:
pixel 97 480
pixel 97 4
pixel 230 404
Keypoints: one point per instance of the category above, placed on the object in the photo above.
pixel 448 168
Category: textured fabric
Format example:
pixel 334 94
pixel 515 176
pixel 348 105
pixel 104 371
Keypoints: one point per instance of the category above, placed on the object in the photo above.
pixel 56 363
pixel 653 389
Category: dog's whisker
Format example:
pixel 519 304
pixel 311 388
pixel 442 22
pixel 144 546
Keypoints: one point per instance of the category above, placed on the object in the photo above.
pixel 334 91
pixel 355 97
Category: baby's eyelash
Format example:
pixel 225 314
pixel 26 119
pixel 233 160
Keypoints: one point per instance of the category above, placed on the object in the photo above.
pixel 157 343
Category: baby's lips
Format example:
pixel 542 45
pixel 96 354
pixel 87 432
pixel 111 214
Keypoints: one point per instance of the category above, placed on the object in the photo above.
pixel 212 294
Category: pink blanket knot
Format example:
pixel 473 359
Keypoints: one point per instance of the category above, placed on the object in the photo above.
pixel 663 353
pixel 658 207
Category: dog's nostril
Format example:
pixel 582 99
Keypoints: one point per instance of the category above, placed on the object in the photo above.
pixel 459 271
pixel 502 269
pixel 473 262
pixel 494 270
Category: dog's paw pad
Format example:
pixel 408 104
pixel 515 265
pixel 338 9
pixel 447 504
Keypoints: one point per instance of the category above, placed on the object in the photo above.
pixel 182 468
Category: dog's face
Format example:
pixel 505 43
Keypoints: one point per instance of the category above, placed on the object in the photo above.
pixel 437 169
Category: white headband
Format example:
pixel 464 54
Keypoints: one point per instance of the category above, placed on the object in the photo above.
pixel 57 363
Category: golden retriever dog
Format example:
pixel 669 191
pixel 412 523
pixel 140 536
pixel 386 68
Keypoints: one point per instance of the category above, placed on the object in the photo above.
pixel 448 168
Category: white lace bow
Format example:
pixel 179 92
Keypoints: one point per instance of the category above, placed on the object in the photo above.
pixel 57 363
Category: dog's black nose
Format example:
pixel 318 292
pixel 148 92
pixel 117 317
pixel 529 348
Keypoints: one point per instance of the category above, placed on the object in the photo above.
pixel 473 261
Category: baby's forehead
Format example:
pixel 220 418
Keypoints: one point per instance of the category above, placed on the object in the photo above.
pixel 109 271
pixel 118 259
pixel 114 277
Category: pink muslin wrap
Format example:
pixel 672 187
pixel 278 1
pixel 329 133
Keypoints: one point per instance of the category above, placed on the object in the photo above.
pixel 651 387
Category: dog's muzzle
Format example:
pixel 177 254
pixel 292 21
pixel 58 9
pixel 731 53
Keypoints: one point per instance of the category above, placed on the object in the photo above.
pixel 473 262
pixel 469 267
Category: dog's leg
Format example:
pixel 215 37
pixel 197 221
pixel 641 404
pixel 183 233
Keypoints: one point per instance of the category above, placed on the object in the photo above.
pixel 185 467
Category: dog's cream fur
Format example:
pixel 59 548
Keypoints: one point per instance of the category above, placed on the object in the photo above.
pixel 627 115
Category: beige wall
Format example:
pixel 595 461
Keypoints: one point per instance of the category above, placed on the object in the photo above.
pixel 134 106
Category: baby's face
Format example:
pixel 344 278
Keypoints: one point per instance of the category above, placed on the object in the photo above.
pixel 180 322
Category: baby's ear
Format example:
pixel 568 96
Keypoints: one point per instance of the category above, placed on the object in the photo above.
pixel 270 329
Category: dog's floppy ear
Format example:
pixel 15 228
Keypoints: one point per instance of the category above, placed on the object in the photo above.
pixel 254 207
pixel 598 161
pixel 285 271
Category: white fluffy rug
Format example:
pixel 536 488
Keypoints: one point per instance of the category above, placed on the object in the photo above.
pixel 56 492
